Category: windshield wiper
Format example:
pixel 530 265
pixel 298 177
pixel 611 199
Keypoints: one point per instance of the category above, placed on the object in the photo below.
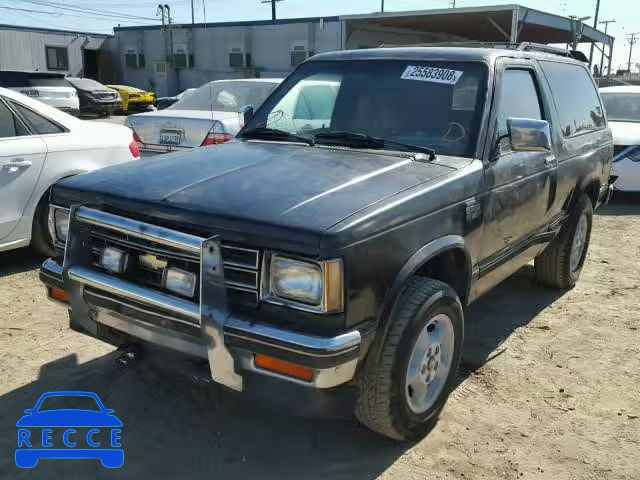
pixel 275 134
pixel 368 141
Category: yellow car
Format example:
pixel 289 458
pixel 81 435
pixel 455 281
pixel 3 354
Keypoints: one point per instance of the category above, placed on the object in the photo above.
pixel 134 98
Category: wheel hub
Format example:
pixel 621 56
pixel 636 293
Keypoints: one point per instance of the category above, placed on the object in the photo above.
pixel 430 363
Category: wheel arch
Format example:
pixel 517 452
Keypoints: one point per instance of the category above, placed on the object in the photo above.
pixel 432 260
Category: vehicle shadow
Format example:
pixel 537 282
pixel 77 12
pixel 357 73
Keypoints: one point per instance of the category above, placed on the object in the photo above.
pixel 621 204
pixel 18 261
pixel 176 427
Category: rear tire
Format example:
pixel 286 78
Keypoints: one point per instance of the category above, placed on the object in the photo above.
pixel 41 241
pixel 560 264
pixel 395 399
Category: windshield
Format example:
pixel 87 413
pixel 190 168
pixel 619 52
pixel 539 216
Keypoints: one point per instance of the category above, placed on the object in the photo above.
pixel 225 96
pixel 86 84
pixel 429 104
pixel 622 107
pixel 69 402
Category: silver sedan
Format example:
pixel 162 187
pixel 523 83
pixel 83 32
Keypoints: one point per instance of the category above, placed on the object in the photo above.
pixel 207 116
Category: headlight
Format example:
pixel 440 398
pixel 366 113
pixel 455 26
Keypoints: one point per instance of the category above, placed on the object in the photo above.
pixel 58 223
pixel 308 285
pixel 180 281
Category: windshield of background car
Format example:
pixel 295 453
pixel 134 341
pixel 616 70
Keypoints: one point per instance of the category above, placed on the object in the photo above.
pixel 430 104
pixel 622 107
pixel 66 402
pixel 225 96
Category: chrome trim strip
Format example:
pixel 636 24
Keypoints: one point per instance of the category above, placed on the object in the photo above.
pixel 134 292
pixel 331 345
pixel 256 264
pixel 134 228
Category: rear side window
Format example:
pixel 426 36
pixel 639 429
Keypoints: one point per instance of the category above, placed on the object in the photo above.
pixel 575 97
pixel 37 122
pixel 10 126
pixel 518 99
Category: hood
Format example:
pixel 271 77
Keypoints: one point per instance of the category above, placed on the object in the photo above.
pixel 625 133
pixel 243 186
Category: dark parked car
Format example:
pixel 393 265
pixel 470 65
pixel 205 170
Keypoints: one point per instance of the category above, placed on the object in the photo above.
pixel 341 235
pixel 95 97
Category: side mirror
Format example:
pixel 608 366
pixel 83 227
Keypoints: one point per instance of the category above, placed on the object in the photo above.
pixel 528 135
pixel 244 115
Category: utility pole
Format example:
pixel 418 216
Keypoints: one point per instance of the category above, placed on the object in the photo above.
pixel 595 25
pixel 453 3
pixel 633 38
pixel 606 27
pixel 193 18
pixel 382 6
pixel 164 43
pixel 273 7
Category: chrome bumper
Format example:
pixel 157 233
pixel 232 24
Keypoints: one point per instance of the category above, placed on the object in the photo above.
pixel 333 360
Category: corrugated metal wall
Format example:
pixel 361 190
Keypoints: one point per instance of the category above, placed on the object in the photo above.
pixel 269 45
pixel 25 50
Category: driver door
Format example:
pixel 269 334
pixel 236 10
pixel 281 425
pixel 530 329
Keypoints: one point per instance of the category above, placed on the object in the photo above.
pixel 520 186
pixel 22 156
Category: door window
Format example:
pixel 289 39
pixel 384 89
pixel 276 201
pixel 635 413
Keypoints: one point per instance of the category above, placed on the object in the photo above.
pixel 37 122
pixel 518 98
pixel 10 126
pixel 575 97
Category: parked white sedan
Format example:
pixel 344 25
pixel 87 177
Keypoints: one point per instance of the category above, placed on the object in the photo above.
pixel 622 105
pixel 40 145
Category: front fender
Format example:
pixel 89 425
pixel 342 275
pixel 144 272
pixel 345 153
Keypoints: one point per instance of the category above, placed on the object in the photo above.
pixel 410 267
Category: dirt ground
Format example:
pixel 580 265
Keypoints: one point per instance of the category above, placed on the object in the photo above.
pixel 549 389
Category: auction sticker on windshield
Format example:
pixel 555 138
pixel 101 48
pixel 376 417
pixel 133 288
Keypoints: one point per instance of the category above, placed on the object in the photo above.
pixel 431 74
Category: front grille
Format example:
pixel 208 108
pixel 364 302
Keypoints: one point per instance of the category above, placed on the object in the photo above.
pixel 241 264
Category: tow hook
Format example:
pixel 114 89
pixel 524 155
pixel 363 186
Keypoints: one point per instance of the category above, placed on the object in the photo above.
pixel 129 354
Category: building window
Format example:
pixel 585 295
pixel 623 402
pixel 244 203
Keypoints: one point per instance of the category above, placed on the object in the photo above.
pixel 57 58
pixel 236 58
pixel 131 60
pixel 298 55
pixel 134 60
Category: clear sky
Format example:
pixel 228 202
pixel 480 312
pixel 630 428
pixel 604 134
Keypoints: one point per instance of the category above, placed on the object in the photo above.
pixel 64 14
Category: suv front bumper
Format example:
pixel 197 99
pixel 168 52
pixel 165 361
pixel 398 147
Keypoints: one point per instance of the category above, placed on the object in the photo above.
pixel 103 305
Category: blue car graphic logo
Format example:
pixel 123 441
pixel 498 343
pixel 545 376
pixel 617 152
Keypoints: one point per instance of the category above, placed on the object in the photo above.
pixel 68 433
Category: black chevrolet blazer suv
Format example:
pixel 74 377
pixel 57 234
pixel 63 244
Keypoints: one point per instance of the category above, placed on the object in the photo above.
pixel 339 238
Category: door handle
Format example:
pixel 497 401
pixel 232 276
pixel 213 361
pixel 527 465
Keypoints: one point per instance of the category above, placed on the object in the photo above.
pixel 549 160
pixel 15 164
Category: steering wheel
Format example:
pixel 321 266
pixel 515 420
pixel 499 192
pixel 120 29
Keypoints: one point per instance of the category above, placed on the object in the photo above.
pixel 450 134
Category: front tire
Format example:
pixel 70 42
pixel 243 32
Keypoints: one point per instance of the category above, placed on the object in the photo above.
pixel 560 264
pixel 407 380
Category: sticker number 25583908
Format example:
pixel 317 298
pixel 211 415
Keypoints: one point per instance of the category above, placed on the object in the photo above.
pixel 431 74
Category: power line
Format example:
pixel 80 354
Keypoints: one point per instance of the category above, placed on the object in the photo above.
pixel 89 11
pixel 58 14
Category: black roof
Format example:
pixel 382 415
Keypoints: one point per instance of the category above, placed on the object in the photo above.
pixel 433 53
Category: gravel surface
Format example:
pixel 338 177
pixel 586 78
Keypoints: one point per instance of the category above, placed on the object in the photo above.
pixel 549 389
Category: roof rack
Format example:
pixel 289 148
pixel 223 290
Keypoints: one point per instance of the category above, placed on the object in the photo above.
pixel 522 46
